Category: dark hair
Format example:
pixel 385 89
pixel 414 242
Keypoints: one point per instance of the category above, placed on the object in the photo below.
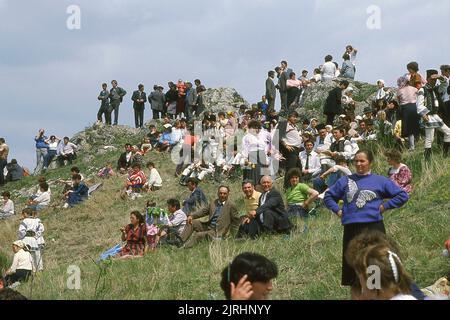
pixel 221 113
pixel 43 185
pixel 320 126
pixel 308 141
pixel 140 86
pixel 328 58
pixel 139 216
pixel 271 72
pixel 346 56
pixel 291 74
pixel 75 169
pixel 277 69
pixel 393 154
pixel 2 140
pixel 414 66
pixel 42 179
pixel 150 163
pixel 247 181
pixel 340 129
pixel 257 268
pixel 104 84
pixel 293 114
pixel 174 203
pixel 284 62
pixel 28 212
pixel 254 124
pixel 128 145
pixel 136 165
pixel 6 194
pixel 197 81
pixel 368 153
pixel 344 82
pixel 14 161
pixel 306 121
pixel 339 159
pixel 303 71
pixel 194 181
pixel 294 172
pixel 66 138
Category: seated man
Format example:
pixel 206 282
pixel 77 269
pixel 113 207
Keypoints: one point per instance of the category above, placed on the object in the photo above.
pixel 249 224
pixel 15 172
pixel 22 265
pixel 196 199
pixel 78 194
pixel 67 152
pixel 7 207
pixel 271 213
pixel 223 216
pixel 332 175
pixel 68 184
pixel 125 159
pixel 153 135
pixel 176 223
pixel 310 161
pixel 42 200
pixel 166 142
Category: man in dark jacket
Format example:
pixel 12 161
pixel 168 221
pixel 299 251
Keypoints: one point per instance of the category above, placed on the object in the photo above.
pixel 271 92
pixel 125 159
pixel 333 105
pixel 105 108
pixel 191 101
pixel 157 101
pixel 271 213
pixel 196 199
pixel 116 96
pixel 15 172
pixel 139 98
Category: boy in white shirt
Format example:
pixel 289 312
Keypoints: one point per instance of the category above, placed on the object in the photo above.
pixel 42 200
pixel 154 181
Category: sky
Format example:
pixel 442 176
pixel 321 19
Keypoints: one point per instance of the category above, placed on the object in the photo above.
pixel 51 75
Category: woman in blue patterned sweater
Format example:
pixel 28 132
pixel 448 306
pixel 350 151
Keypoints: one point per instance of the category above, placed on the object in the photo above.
pixel 363 194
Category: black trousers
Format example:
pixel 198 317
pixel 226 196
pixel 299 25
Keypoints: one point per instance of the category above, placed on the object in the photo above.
pixel 19 275
pixel 68 157
pixel 156 114
pixel 139 117
pixel 292 161
pixel 251 229
pixel 3 163
pixel 330 118
pixel 106 110
pixel 351 231
pixel 271 103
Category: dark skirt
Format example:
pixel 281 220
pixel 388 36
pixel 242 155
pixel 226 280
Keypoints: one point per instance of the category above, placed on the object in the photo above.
pixel 410 120
pixel 351 231
pixel 293 94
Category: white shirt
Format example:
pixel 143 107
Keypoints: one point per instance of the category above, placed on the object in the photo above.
pixel 293 137
pixel 68 148
pixel 53 145
pixel 8 207
pixel 328 71
pixel 154 179
pixel 22 261
pixel 32 224
pixel 314 161
pixel 252 143
pixel 178 221
pixel 380 94
pixel 128 155
pixel 43 199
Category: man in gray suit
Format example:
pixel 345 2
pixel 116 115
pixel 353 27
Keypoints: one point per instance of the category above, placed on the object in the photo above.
pixel 105 108
pixel 191 100
pixel 139 98
pixel 157 101
pixel 271 92
pixel 116 96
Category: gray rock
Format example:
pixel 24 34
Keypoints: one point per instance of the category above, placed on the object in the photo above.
pixel 223 99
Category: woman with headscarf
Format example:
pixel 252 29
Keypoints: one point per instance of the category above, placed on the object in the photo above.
pixel 407 98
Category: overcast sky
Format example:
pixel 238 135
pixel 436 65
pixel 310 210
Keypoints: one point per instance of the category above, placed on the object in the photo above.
pixel 50 76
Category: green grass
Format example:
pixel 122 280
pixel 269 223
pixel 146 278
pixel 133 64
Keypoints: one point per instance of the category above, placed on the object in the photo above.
pixel 309 263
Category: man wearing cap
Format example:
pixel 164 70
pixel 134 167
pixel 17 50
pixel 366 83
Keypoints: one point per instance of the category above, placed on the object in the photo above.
pixel 116 95
pixel 271 91
pixel 444 90
pixel 157 101
pixel 139 98
pixel 429 106
pixel 368 113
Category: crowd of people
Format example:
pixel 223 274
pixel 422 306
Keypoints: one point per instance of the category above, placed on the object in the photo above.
pixel 260 145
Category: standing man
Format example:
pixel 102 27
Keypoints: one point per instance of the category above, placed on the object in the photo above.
pixel 271 92
pixel 282 87
pixel 290 143
pixel 4 151
pixel 139 98
pixel 429 106
pixel 41 150
pixel 333 105
pixel 116 96
pixel 157 101
pixel 223 216
pixel 104 106
pixel 191 101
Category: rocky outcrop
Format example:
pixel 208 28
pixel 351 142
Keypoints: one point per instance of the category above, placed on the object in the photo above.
pixel 223 99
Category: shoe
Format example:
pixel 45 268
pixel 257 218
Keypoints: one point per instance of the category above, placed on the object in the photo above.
pixel 66 206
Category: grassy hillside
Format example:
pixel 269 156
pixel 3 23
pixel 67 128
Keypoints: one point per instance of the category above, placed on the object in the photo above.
pixel 309 262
